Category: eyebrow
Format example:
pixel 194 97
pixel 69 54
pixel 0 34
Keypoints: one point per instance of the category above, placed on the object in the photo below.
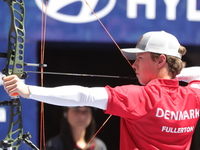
pixel 138 54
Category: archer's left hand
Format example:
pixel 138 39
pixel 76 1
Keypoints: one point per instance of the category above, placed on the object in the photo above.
pixel 12 84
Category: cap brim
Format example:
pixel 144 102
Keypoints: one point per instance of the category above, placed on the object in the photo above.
pixel 130 53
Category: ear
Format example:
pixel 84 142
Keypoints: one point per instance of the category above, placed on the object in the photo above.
pixel 161 61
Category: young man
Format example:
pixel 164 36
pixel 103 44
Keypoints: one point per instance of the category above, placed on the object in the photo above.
pixel 158 115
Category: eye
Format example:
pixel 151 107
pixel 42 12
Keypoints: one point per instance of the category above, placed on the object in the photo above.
pixel 139 57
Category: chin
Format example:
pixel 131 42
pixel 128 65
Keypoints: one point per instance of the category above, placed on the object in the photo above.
pixel 142 82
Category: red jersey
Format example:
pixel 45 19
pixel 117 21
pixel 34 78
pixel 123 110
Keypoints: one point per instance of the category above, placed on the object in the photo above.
pixel 160 115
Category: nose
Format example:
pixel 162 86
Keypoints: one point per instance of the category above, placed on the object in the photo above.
pixel 133 66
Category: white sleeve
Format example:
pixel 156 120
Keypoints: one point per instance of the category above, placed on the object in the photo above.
pixel 189 74
pixel 72 95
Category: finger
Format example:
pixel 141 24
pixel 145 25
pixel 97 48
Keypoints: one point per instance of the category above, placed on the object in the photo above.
pixel 9 87
pixel 11 77
pixel 10 80
pixel 10 83
pixel 12 89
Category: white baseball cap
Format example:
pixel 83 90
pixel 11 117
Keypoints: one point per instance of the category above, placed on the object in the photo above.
pixel 159 42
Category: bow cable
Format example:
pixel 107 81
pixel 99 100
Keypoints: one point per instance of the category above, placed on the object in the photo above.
pixel 43 38
pixel 93 12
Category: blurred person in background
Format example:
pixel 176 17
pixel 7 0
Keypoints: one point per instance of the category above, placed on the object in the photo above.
pixel 77 128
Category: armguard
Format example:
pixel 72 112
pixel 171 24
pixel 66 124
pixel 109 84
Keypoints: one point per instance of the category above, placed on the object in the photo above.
pixel 71 96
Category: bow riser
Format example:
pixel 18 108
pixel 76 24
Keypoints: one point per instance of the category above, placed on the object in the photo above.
pixel 15 53
pixel 15 65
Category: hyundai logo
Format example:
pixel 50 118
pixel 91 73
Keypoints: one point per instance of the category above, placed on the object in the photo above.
pixel 56 8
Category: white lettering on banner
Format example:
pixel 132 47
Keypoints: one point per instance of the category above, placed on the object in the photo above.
pixel 177 115
pixel 192 14
pixel 150 8
pixel 177 130
pixel 171 9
